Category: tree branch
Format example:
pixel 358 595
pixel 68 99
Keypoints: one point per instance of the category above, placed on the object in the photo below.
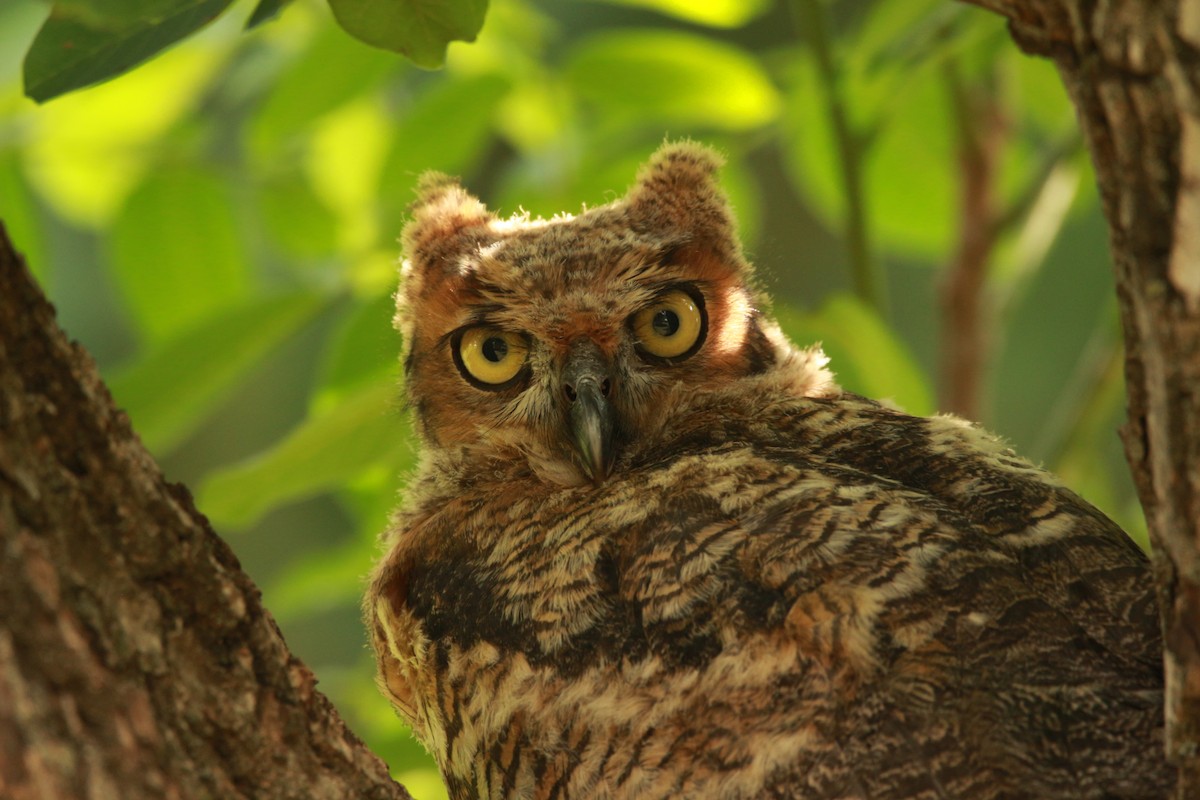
pixel 136 660
pixel 1132 69
pixel 866 274
pixel 965 346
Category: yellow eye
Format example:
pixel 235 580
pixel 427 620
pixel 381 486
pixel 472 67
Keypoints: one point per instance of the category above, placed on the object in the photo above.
pixel 670 327
pixel 491 356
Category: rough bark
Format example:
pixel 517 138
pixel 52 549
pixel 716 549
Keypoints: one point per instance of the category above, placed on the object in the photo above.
pixel 1132 68
pixel 136 660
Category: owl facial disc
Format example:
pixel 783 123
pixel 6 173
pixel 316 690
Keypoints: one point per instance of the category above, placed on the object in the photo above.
pixel 591 419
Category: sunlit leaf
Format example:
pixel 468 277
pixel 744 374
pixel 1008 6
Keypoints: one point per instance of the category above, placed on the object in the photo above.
pixel 371 497
pixel 808 143
pixel 333 70
pixel 909 166
pixel 323 453
pixel 177 250
pixel 344 164
pixel 535 115
pixel 865 355
pixel 77 47
pixel 86 151
pixel 425 783
pixel 517 38
pixel 672 76
pixel 419 29
pixel 913 176
pixel 715 13
pixel 175 386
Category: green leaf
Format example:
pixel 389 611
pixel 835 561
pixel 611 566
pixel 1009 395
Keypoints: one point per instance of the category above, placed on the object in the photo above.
pixel 363 347
pixel 410 763
pixel 332 576
pixel 668 76
pixel 19 23
pixel 714 13
pixel 19 215
pixel 418 29
pixel 901 42
pixel 808 142
pixel 901 32
pixel 326 451
pixel 864 354
pixel 344 161
pixel 333 70
pixel 1038 91
pixel 265 11
pixel 82 43
pixel 173 388
pixel 177 250
pixel 909 167
pixel 295 217
pixel 88 151
pixel 325 579
pixel 913 176
pixel 445 129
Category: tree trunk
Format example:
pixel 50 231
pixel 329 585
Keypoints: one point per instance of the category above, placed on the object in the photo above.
pixel 136 660
pixel 1132 69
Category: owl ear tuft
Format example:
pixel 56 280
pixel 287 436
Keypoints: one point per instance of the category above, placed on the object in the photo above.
pixel 446 222
pixel 447 225
pixel 678 188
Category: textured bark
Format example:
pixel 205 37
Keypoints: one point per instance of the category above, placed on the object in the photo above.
pixel 136 660
pixel 1132 68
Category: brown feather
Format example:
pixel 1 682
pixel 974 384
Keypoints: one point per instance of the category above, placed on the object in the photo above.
pixel 782 590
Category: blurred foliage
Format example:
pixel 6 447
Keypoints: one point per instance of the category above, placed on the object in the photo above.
pixel 219 228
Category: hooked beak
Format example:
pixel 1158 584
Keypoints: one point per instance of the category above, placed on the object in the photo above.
pixel 590 417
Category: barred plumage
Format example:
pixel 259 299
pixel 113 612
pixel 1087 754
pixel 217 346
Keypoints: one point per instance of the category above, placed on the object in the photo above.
pixel 713 573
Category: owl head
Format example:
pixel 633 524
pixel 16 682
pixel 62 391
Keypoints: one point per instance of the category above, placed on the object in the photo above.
pixel 568 346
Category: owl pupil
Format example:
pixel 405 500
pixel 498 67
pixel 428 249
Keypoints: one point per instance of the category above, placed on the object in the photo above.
pixel 665 323
pixel 495 349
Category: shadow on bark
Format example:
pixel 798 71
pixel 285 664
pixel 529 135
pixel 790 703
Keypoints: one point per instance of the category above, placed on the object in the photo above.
pixel 136 659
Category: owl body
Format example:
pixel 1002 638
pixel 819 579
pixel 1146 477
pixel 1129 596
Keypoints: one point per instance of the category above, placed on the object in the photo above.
pixel 653 550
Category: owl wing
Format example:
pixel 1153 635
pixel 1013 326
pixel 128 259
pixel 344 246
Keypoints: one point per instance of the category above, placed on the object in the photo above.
pixel 965 626
pixel 829 600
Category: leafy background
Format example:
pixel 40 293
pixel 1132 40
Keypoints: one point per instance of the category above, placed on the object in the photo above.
pixel 218 227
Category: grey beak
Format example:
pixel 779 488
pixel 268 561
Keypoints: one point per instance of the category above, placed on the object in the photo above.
pixel 590 416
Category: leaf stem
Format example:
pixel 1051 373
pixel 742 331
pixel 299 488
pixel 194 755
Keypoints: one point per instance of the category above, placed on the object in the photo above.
pixel 966 346
pixel 866 275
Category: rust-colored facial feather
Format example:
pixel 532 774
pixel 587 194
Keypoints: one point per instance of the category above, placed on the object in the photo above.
pixel 565 281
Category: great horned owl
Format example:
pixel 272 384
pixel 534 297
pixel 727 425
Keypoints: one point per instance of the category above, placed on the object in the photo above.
pixel 652 550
